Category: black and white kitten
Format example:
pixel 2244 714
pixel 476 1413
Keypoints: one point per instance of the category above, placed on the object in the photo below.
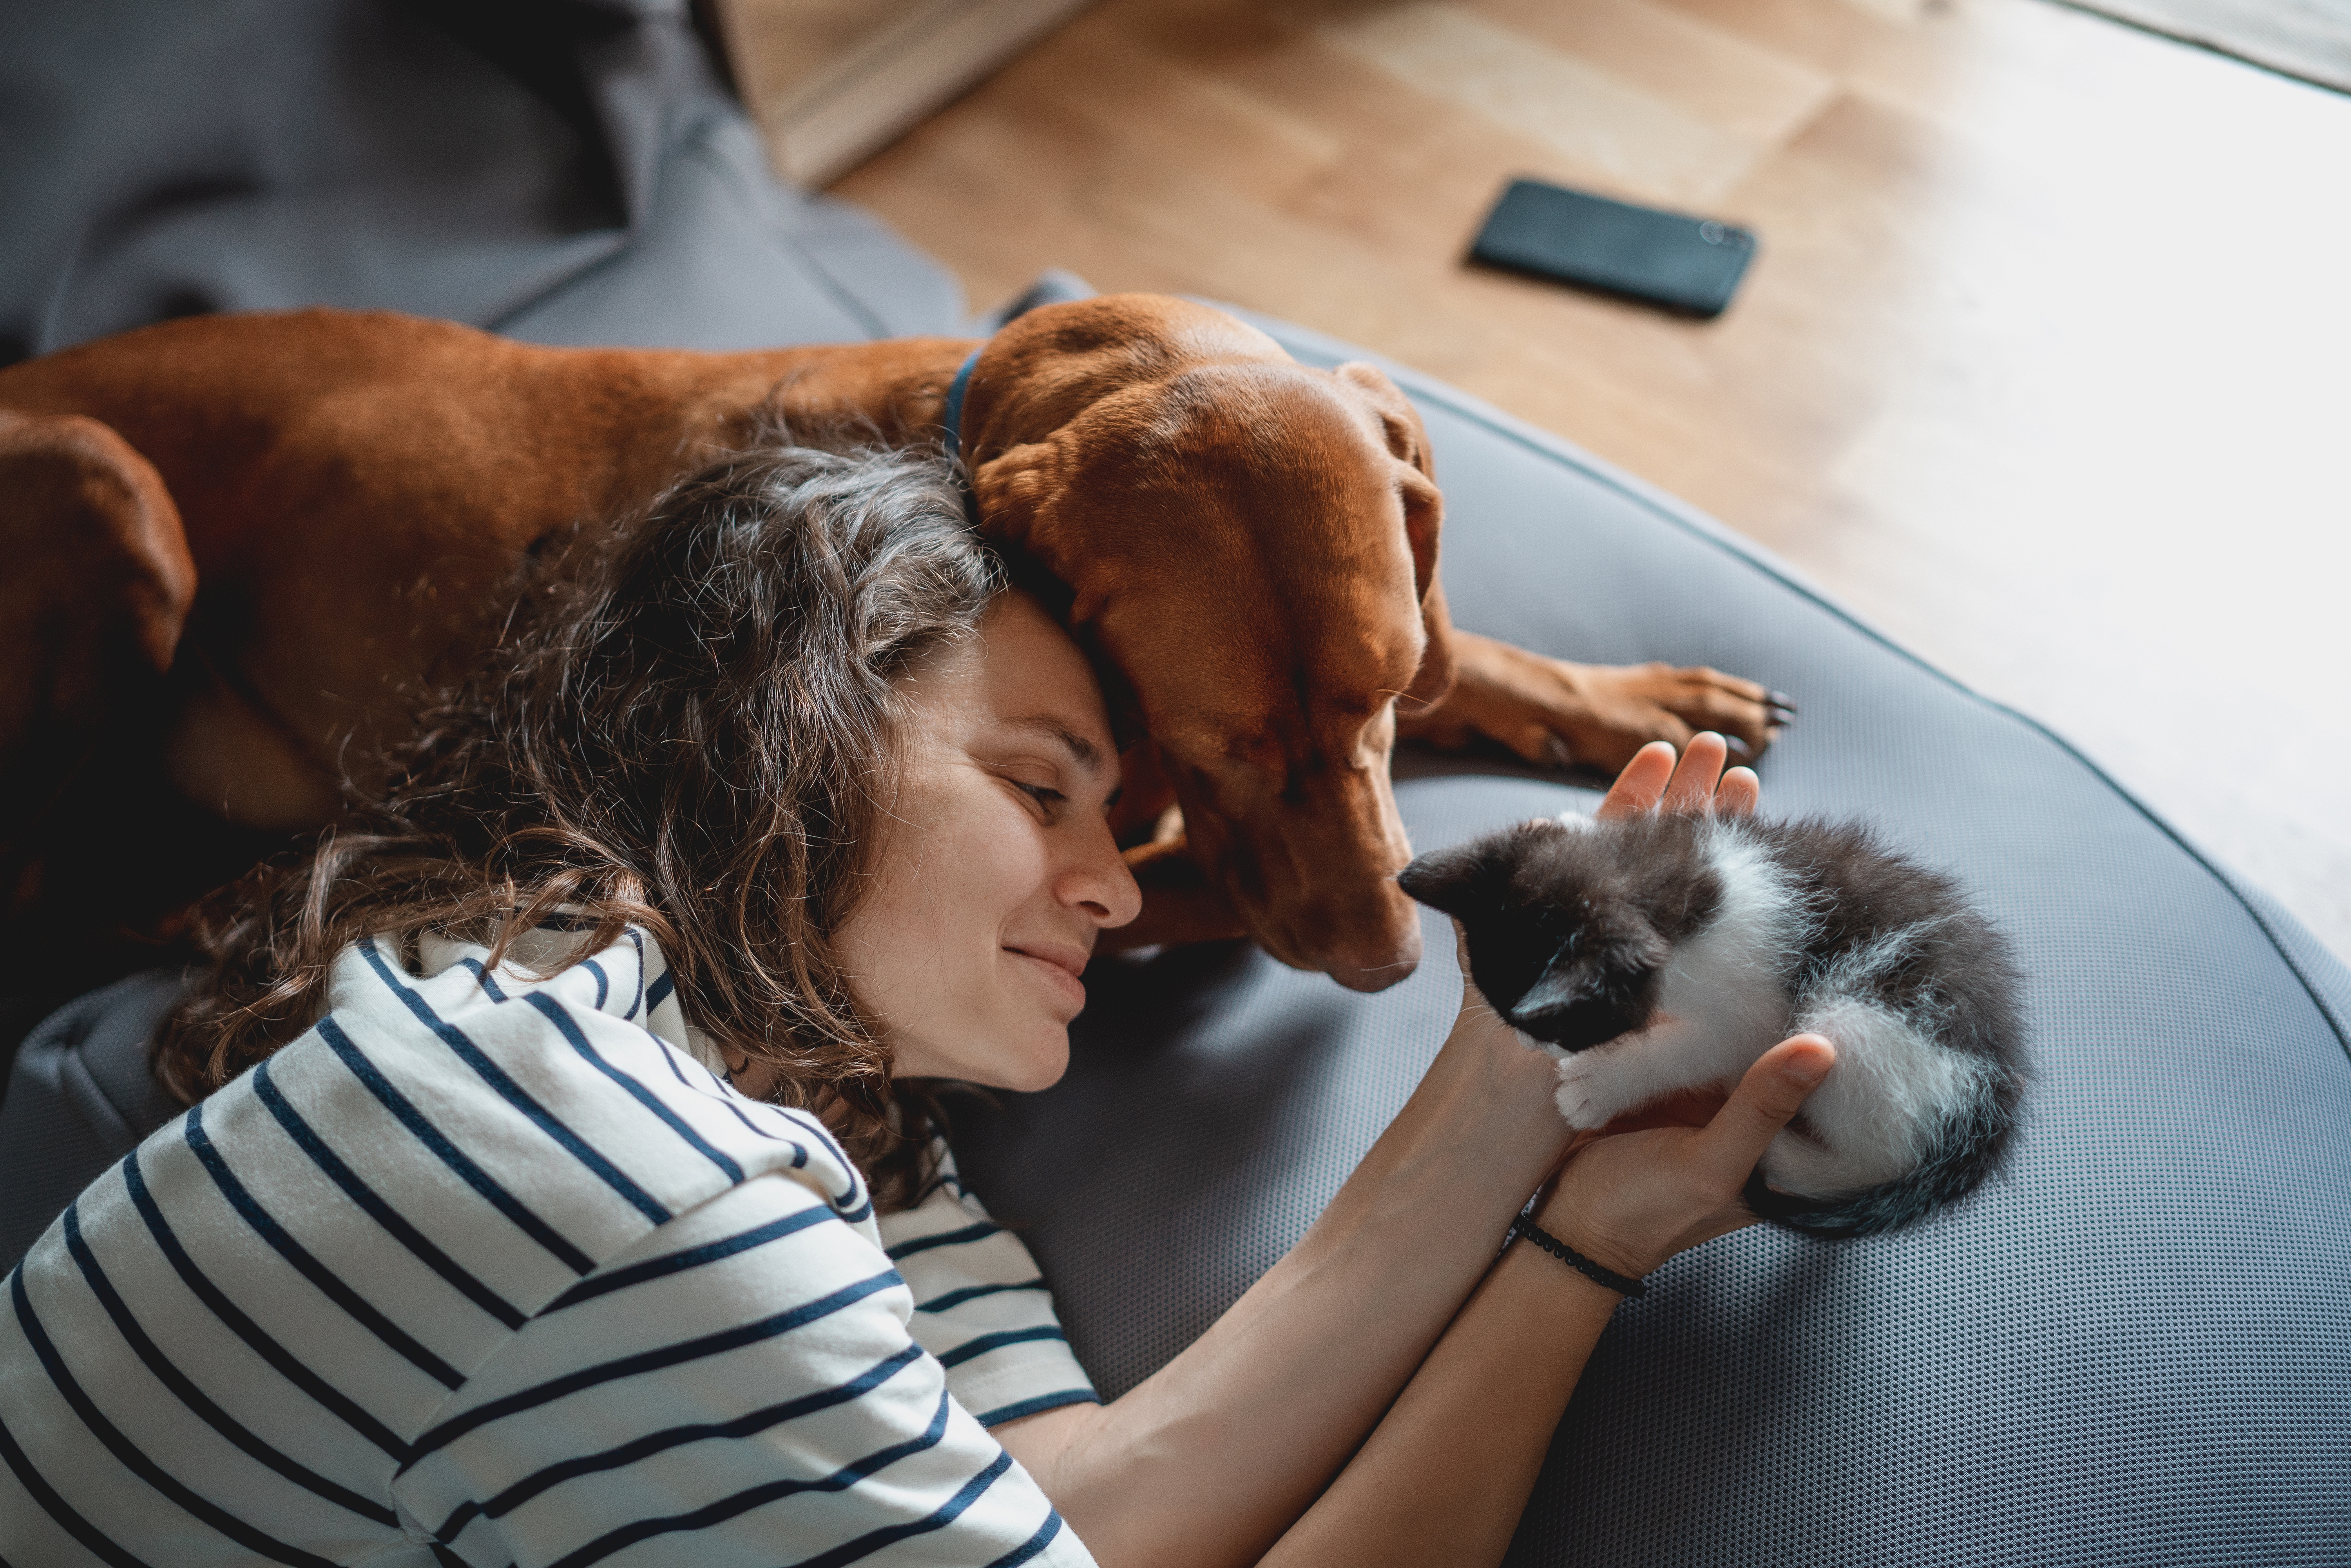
pixel 1661 953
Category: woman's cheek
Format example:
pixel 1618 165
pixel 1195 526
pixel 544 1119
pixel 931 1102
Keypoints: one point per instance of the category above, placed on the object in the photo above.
pixel 1010 844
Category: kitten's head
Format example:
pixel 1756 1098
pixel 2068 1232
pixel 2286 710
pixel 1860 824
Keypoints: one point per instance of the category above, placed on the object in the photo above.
pixel 1570 926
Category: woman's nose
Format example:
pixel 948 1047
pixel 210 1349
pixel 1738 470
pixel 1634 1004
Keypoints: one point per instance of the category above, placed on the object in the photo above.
pixel 1101 884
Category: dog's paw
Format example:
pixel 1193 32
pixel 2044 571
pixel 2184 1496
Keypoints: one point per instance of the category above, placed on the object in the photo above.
pixel 1552 712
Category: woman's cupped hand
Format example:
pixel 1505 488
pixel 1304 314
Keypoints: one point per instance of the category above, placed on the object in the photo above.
pixel 1673 1174
pixel 1633 1200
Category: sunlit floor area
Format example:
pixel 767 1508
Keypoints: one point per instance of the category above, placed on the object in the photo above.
pixel 2041 367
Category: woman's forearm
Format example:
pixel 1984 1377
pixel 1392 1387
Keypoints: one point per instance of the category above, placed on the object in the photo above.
pixel 1445 1476
pixel 1211 1459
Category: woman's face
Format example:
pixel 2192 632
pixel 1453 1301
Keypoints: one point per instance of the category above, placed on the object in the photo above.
pixel 995 869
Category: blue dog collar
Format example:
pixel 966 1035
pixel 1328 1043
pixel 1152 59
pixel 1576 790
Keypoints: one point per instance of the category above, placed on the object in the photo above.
pixel 951 424
pixel 952 420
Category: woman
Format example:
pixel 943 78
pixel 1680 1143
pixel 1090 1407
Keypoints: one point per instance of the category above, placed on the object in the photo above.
pixel 562 1194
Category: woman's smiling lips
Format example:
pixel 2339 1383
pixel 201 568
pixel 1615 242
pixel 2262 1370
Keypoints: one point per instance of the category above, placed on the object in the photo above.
pixel 1060 964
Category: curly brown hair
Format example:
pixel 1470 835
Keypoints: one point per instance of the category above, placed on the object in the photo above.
pixel 687 723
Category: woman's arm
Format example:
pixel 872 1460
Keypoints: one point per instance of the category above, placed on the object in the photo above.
pixel 1447 1474
pixel 1211 1459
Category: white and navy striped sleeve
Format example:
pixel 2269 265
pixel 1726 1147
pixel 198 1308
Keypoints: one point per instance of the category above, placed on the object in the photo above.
pixel 485 1270
pixel 741 1386
pixel 981 1307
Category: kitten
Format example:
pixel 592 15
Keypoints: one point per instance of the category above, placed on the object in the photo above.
pixel 1660 953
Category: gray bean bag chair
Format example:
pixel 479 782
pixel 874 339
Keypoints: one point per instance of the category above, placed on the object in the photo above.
pixel 2134 1349
pixel 562 170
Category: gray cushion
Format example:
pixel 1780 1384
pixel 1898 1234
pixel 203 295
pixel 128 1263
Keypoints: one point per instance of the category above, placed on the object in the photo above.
pixel 2136 1348
pixel 79 1098
pixel 565 171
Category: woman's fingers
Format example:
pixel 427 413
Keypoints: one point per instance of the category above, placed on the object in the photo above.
pixel 1773 1090
pixel 1738 793
pixel 1642 784
pixel 1633 1200
pixel 1692 790
pixel 1694 782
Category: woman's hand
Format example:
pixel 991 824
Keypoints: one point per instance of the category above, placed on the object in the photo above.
pixel 1670 1175
pixel 1447 1473
pixel 1631 1200
pixel 1654 780
pixel 1210 1458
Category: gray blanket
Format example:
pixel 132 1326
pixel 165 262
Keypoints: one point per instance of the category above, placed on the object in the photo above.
pixel 563 170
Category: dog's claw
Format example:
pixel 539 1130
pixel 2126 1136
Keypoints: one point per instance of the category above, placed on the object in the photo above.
pixel 1556 752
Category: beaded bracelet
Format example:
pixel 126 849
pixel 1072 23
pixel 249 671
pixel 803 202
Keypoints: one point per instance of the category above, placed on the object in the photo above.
pixel 1598 1273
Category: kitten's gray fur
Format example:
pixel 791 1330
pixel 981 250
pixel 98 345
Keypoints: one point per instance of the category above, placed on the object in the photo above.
pixel 1665 952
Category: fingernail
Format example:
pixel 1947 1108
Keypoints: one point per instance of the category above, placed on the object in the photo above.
pixel 1805 1072
pixel 1736 748
pixel 1780 699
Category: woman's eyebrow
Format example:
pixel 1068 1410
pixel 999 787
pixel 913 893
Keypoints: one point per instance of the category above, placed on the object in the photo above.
pixel 1087 755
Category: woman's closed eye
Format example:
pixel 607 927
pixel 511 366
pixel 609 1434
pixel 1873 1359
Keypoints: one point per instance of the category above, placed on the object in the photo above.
pixel 1049 800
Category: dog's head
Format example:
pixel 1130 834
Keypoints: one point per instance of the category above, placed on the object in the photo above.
pixel 1252 545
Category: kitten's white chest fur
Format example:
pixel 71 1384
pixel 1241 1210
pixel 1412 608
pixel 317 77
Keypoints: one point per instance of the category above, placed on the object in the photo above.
pixel 1725 1001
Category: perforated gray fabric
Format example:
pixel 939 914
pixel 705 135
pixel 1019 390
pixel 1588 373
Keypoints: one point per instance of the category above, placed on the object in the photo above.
pixel 2132 1351
pixel 564 173
pixel 79 1098
pixel 2135 1348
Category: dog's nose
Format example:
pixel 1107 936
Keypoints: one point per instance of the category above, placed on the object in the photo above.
pixel 1392 960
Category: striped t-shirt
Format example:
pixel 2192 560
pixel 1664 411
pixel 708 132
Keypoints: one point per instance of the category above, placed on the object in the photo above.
pixel 493 1269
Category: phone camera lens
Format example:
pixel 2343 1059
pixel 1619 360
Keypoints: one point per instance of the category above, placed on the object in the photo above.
pixel 1711 232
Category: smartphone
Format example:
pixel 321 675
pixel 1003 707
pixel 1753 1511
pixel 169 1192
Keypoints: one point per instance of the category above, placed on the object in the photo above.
pixel 1686 264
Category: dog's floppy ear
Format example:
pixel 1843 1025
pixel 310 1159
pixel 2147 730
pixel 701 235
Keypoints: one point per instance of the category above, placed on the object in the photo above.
pixel 1424 520
pixel 1408 443
pixel 1019 492
pixel 93 597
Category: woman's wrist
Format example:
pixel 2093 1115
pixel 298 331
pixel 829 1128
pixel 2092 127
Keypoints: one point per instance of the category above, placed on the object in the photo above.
pixel 1525 1230
pixel 1560 1213
pixel 1498 1091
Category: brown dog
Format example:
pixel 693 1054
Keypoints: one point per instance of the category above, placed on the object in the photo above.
pixel 256 536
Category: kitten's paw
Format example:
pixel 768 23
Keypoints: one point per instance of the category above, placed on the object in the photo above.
pixel 1579 1099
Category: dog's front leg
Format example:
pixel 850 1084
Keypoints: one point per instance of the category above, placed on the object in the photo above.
pixel 1554 713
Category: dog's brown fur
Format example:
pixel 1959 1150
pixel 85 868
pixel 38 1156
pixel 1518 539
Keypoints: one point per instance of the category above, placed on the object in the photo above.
pixel 261 534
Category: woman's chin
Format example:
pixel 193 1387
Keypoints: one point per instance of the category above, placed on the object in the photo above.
pixel 1043 1067
pixel 1021 1053
pixel 1035 1059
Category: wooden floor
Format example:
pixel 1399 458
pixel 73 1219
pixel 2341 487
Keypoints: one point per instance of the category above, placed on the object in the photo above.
pixel 2043 366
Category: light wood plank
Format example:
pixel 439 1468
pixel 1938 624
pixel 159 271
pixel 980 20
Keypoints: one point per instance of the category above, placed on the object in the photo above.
pixel 2039 366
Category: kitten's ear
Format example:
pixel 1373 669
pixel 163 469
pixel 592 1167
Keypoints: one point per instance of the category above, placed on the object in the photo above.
pixel 1470 880
pixel 1459 882
pixel 1595 989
